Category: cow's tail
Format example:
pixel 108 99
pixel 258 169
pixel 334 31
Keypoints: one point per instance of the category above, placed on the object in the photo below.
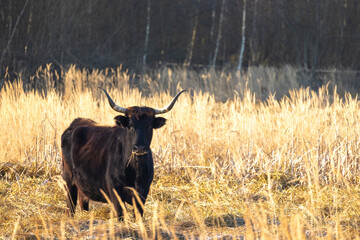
pixel 67 165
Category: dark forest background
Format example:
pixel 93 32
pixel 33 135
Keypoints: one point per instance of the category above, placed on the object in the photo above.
pixel 311 34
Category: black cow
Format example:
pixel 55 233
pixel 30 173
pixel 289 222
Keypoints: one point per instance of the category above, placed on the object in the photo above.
pixel 115 161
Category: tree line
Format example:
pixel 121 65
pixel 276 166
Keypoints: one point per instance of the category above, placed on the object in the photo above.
pixel 101 33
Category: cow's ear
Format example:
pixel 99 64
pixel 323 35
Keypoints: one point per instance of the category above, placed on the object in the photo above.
pixel 122 121
pixel 158 122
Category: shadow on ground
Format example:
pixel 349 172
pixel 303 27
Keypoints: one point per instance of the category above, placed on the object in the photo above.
pixel 227 220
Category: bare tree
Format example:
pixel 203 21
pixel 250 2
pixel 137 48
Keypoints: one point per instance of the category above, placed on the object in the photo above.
pixel 147 31
pixel 212 28
pixel 243 28
pixel 89 22
pixel 219 33
pixel 12 34
pixel 310 33
pixel 316 41
pixel 189 54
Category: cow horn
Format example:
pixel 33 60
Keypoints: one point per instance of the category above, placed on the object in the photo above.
pixel 112 103
pixel 170 106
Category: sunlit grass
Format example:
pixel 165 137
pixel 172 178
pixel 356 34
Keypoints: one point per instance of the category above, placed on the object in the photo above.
pixel 284 169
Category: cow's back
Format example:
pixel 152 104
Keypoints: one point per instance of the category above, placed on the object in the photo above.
pixel 85 147
pixel 66 139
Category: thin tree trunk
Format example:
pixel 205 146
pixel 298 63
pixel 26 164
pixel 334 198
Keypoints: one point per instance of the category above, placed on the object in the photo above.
pixel 223 37
pixel 89 21
pixel 305 50
pixel 192 42
pixel 12 34
pixel 29 28
pixel 147 31
pixel 10 18
pixel 315 47
pixel 62 30
pixel 212 29
pixel 298 50
pixel 243 28
pixel 254 52
pixel 342 24
pixel 219 33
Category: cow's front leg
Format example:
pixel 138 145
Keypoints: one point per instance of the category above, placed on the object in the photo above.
pixel 138 203
pixel 140 194
pixel 140 207
pixel 115 198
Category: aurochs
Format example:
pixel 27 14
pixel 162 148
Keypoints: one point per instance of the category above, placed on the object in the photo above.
pixel 116 161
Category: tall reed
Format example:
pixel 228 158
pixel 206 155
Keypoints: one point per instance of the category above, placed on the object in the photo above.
pixel 282 168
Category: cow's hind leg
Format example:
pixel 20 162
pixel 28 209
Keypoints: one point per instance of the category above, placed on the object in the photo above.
pixel 83 202
pixel 71 190
pixel 71 199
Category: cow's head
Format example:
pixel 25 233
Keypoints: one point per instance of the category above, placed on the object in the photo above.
pixel 140 122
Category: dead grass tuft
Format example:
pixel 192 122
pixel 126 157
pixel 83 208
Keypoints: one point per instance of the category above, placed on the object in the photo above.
pixel 225 167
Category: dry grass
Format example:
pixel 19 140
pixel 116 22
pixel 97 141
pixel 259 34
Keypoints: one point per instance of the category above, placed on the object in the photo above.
pixel 286 169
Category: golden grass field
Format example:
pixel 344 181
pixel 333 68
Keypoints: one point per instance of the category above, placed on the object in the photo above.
pixel 242 168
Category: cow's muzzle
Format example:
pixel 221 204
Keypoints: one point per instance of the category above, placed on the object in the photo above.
pixel 140 150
